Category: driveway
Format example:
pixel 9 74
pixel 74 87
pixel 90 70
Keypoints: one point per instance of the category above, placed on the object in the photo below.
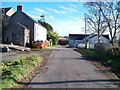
pixel 67 68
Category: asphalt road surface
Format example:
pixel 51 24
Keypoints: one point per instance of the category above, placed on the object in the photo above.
pixel 67 68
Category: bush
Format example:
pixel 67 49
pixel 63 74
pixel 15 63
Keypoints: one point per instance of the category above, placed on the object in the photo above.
pixel 54 36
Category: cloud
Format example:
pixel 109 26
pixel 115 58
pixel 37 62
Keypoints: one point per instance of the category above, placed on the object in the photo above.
pixel 52 17
pixel 63 28
pixel 53 10
pixel 40 10
pixel 63 8
pixel 69 9
pixel 72 5
pixel 34 16
pixel 73 10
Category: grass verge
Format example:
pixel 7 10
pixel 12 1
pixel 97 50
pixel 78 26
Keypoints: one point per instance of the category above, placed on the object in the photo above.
pixel 106 58
pixel 50 47
pixel 47 48
pixel 19 70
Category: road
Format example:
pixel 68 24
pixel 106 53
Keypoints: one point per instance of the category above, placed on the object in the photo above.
pixel 67 68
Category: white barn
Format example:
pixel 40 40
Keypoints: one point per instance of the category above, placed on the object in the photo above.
pixel 78 40
pixel 94 40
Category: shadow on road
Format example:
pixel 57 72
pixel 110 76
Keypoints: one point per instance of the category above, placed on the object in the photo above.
pixel 71 81
pixel 81 58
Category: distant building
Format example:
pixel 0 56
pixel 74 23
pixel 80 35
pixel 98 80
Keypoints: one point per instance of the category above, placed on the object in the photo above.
pixel 6 13
pixel 22 29
pixel 75 39
pixel 78 40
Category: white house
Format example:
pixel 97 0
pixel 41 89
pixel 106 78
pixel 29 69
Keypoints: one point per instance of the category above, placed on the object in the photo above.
pixel 39 33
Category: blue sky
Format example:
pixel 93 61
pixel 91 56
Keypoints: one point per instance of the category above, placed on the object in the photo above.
pixel 65 17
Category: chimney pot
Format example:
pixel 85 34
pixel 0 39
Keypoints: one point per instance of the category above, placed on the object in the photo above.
pixel 19 8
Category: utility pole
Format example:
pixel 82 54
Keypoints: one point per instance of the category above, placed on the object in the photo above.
pixel 85 32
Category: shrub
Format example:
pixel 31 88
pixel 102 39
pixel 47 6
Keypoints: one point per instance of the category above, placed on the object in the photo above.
pixel 54 36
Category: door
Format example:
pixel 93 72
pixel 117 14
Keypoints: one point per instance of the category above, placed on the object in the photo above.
pixel 14 39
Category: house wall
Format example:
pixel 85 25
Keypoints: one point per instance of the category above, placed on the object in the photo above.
pixel 24 20
pixel 15 34
pixel 40 33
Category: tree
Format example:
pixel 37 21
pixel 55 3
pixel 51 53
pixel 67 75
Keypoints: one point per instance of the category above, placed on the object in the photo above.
pixel 111 13
pixel 50 33
pixel 54 36
pixel 46 25
pixel 95 21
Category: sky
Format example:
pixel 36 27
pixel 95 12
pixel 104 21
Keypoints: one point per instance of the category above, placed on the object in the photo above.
pixel 65 17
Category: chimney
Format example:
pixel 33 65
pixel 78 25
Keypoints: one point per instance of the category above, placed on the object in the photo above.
pixel 19 7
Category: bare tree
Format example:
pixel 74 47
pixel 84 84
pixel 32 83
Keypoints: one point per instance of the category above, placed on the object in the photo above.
pixel 95 20
pixel 111 13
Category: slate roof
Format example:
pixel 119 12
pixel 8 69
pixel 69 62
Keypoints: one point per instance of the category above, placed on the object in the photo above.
pixel 31 19
pixel 28 17
pixel 20 24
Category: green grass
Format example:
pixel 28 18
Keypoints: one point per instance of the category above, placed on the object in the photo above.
pixel 50 47
pixel 105 57
pixel 17 70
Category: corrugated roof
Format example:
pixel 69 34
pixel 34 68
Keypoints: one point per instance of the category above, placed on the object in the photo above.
pixel 82 36
pixel 77 36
